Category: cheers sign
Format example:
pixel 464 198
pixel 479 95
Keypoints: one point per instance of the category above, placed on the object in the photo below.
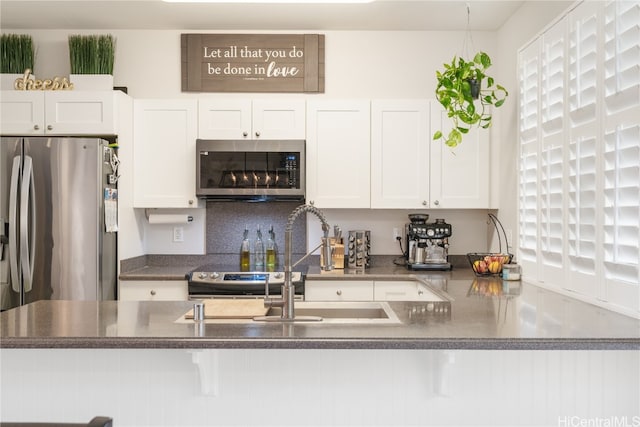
pixel 252 63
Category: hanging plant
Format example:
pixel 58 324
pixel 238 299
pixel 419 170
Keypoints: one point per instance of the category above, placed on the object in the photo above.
pixel 460 91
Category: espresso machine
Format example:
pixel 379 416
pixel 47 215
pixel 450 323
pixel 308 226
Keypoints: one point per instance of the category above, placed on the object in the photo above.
pixel 427 244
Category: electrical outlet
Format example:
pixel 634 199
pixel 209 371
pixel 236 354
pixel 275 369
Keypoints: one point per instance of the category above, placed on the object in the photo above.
pixel 396 233
pixel 178 234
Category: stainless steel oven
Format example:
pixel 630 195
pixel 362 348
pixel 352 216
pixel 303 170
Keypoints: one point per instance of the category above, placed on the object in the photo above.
pixel 214 282
pixel 250 169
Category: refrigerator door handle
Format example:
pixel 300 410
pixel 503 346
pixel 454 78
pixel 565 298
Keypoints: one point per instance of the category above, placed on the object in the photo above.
pixel 13 228
pixel 27 208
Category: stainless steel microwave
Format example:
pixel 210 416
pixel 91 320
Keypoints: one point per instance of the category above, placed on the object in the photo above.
pixel 250 169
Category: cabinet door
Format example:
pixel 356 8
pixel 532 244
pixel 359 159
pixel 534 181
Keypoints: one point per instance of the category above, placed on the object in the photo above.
pixel 278 119
pixel 460 176
pixel 338 290
pixel 79 113
pixel 398 290
pixel 400 154
pixel 224 119
pixel 22 112
pixel 338 153
pixel 152 290
pixel 164 153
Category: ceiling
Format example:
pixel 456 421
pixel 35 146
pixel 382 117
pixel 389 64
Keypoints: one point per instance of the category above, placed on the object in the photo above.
pixel 379 15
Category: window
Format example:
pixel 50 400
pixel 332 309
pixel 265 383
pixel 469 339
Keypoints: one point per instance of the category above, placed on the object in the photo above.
pixel 579 202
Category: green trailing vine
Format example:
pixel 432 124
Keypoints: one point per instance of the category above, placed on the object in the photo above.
pixel 455 90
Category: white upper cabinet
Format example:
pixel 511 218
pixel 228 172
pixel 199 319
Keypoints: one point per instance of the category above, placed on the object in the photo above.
pixel 278 119
pixel 460 177
pixel 379 154
pixel 251 119
pixel 338 153
pixel 58 113
pixel 400 154
pixel 164 153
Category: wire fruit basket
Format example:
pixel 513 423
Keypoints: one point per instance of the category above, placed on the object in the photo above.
pixel 490 264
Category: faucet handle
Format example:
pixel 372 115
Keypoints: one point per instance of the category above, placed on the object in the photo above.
pixel 266 287
pixel 327 252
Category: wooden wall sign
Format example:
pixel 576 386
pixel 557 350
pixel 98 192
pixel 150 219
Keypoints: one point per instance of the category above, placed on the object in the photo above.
pixel 252 62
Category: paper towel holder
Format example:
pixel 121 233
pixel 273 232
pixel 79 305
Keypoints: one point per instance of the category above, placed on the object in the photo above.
pixel 168 218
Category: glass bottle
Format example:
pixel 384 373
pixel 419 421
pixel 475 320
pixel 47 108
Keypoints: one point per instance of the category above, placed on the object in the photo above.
pixel 245 252
pixel 259 250
pixel 272 252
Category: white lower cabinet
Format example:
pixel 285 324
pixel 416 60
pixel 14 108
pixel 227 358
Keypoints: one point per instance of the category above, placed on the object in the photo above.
pixel 368 290
pixel 153 290
pixel 338 290
pixel 402 290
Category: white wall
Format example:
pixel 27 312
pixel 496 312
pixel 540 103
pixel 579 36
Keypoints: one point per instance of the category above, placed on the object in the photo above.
pixel 470 227
pixel 362 64
pixel 359 64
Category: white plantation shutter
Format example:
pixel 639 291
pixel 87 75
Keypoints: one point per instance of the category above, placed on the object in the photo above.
pixel 621 154
pixel 583 57
pixel 553 70
pixel 622 204
pixel 582 214
pixel 622 55
pixel 584 24
pixel 528 173
pixel 580 153
pixel 551 172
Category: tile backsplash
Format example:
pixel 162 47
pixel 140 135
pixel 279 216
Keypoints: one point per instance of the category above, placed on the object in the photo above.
pixel 226 222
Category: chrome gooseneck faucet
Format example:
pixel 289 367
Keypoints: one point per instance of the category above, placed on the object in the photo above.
pixel 286 300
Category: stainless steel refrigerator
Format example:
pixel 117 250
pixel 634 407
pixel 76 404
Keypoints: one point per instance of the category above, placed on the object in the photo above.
pixel 54 241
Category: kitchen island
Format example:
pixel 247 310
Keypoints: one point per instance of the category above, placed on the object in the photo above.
pixel 523 317
pixel 142 363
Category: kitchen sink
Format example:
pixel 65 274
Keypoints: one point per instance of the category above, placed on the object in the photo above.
pixel 318 312
pixel 339 312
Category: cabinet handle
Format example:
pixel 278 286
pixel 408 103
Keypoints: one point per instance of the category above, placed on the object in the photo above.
pixel 338 292
pixel 245 134
pixel 436 202
pixel 257 134
pixel 420 292
pixel 424 203
pixel 153 292
pixel 49 127
pixel 311 202
pixel 190 202
pixel 36 127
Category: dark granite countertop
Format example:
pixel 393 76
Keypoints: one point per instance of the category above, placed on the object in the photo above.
pixel 484 314
pixel 158 272
pixel 163 267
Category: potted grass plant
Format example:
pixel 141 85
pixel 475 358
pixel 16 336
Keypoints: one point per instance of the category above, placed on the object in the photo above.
pixel 91 59
pixel 466 92
pixel 16 56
